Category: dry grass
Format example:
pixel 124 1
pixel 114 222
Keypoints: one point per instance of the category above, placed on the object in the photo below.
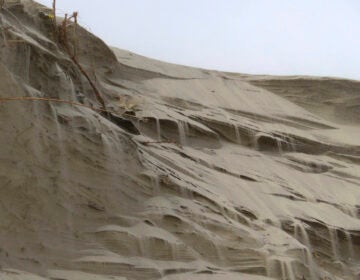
pixel 28 98
pixel 110 115
pixel 55 30
pixel 61 35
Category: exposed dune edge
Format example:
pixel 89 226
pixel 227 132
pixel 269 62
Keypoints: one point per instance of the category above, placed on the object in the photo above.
pixel 232 176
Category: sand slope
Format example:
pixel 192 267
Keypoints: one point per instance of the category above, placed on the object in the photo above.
pixel 230 177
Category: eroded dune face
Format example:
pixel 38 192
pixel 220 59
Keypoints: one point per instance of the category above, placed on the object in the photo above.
pixel 230 176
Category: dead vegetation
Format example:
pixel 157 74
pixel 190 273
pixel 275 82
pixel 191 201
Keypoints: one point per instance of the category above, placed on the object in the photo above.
pixel 54 23
pixel 28 98
pixel 62 37
pixel 66 37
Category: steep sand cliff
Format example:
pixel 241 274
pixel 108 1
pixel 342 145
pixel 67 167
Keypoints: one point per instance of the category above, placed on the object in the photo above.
pixel 196 174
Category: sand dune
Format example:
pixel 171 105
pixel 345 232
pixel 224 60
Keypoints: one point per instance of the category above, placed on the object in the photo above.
pixel 197 174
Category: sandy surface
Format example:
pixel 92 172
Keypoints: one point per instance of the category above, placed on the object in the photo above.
pixel 231 177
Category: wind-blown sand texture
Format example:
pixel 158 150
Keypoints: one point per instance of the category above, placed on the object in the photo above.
pixel 231 177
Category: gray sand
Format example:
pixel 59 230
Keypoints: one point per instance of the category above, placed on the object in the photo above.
pixel 231 177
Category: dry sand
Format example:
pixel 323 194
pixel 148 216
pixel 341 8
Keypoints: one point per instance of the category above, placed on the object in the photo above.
pixel 231 177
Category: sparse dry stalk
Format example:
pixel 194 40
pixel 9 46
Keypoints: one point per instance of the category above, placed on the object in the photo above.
pixel 28 98
pixel 75 38
pixel 63 35
pixel 72 54
pixel 55 30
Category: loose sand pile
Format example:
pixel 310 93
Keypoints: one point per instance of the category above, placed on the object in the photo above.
pixel 196 174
